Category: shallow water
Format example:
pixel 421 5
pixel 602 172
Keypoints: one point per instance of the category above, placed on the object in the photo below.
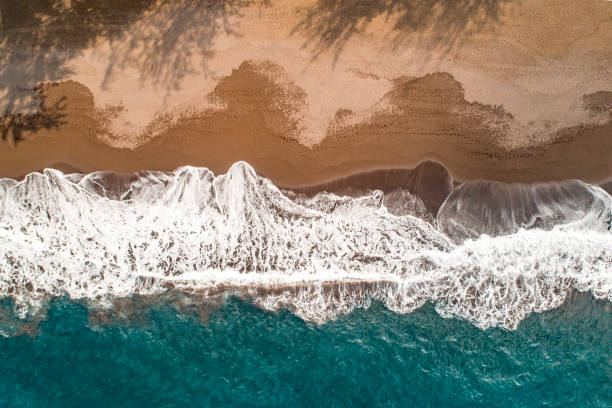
pixel 240 355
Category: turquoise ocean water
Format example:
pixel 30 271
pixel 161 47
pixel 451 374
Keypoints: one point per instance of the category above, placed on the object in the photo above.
pixel 239 355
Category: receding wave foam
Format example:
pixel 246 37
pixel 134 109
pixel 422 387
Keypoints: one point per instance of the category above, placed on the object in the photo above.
pixel 106 235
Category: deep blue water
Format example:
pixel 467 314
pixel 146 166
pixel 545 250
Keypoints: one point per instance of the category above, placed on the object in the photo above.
pixel 243 356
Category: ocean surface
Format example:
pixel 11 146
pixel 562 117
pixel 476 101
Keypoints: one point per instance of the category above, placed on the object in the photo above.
pixel 240 355
pixel 187 288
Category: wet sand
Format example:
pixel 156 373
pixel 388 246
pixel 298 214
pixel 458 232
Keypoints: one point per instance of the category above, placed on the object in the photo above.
pixel 218 138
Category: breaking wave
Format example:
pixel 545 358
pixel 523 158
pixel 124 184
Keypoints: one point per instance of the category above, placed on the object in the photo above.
pixel 494 208
pixel 493 261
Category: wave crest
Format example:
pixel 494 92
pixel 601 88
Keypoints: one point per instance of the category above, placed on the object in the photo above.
pixel 494 208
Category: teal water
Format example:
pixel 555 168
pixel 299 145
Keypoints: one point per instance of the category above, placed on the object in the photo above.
pixel 243 356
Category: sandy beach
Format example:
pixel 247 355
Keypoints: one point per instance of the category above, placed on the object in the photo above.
pixel 272 203
pixel 309 91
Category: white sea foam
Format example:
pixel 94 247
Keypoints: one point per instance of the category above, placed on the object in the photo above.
pixel 105 235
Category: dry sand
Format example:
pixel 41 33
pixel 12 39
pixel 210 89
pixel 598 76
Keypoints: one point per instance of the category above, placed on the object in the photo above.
pixel 309 91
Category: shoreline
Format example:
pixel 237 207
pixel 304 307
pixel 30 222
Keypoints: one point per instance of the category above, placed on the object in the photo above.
pixel 427 119
pixel 316 184
pixel 430 182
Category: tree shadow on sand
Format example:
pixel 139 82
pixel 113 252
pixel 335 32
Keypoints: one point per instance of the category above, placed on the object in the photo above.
pixel 39 38
pixel 163 44
pixel 436 25
pixel 48 116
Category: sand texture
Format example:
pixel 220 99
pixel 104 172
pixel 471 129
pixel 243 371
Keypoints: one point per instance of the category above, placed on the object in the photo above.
pixel 309 91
